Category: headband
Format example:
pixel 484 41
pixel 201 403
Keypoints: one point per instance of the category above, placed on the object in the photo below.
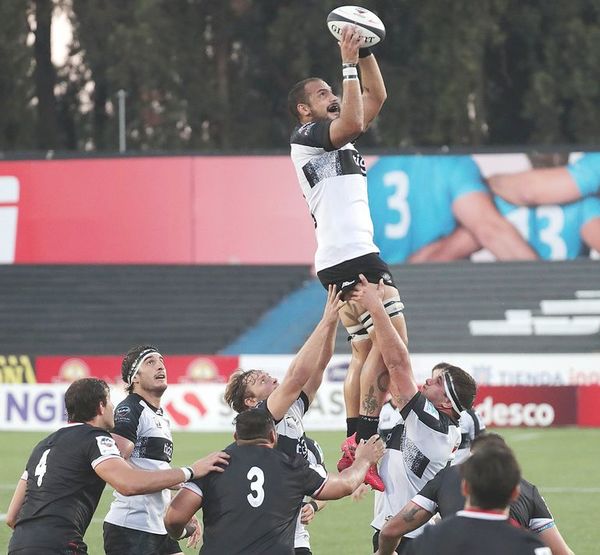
pixel 137 363
pixel 451 393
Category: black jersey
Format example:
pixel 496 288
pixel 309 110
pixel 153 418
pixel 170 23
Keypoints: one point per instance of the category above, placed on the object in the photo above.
pixel 442 494
pixel 252 507
pixel 63 490
pixel 474 533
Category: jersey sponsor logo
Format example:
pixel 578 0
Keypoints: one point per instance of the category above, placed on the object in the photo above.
pixel 123 410
pixel 359 161
pixel 107 446
pixel 430 409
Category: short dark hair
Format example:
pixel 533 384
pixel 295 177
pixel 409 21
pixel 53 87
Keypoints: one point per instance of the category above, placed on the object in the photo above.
pixel 83 397
pixel 129 359
pixel 487 439
pixel 464 385
pixel 492 473
pixel 236 390
pixel 254 424
pixel 297 95
pixel 440 366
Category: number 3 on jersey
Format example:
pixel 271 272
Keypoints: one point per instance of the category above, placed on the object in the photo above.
pixel 257 480
pixel 41 467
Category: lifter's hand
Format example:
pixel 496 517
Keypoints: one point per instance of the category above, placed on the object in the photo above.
pixel 349 45
pixel 368 295
pixel 332 306
pixel 370 450
pixel 215 462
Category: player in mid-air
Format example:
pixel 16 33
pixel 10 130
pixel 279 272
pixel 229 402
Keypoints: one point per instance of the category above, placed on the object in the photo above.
pixel 332 177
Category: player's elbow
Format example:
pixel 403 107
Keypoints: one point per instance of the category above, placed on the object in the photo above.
pixel 387 534
pixel 173 527
pixel 488 230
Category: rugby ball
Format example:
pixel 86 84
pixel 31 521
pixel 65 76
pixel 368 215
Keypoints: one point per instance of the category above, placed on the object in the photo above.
pixel 371 27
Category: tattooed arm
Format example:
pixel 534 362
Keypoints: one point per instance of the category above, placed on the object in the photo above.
pixel 410 517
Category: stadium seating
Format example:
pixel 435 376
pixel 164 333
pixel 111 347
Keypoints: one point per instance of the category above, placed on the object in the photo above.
pixel 106 309
pixel 445 303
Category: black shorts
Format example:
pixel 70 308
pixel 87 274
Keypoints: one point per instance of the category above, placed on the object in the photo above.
pixel 402 546
pixel 345 274
pixel 119 540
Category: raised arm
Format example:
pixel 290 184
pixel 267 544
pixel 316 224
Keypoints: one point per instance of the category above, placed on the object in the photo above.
pixel 346 482
pixel 310 361
pixel 393 350
pixel 128 480
pixel 350 124
pixel 477 213
pixel 537 186
pixel 410 517
pixel 330 314
pixel 373 87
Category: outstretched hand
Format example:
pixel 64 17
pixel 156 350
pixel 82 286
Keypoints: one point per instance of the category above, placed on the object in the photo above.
pixel 215 462
pixel 349 44
pixel 371 450
pixel 333 305
pixel 196 535
pixel 368 295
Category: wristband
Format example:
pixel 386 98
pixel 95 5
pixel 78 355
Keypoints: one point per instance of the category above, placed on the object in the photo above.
pixel 364 52
pixel 188 530
pixel 350 72
pixel 188 473
pixel 314 505
pixel 348 64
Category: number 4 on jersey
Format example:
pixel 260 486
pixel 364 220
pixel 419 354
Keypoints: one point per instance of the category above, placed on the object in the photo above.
pixel 41 468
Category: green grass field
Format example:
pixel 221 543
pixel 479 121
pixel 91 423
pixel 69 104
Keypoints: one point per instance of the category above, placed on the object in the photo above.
pixel 563 463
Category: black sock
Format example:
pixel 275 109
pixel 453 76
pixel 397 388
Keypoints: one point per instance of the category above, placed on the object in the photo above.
pixel 351 424
pixel 367 426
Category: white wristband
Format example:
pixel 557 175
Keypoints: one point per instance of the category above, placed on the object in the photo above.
pixel 349 72
pixel 188 472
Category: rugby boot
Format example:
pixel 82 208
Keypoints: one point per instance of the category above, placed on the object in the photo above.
pixel 348 449
pixel 373 479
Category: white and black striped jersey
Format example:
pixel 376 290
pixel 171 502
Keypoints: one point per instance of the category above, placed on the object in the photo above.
pixel 334 184
pixel 292 440
pixel 474 533
pixel 63 490
pixel 149 430
pixel 251 508
pixel 471 425
pixel 416 451
pixel 443 495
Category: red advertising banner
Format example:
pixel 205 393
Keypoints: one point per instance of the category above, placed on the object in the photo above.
pixel 588 404
pixel 168 210
pixel 514 406
pixel 180 368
